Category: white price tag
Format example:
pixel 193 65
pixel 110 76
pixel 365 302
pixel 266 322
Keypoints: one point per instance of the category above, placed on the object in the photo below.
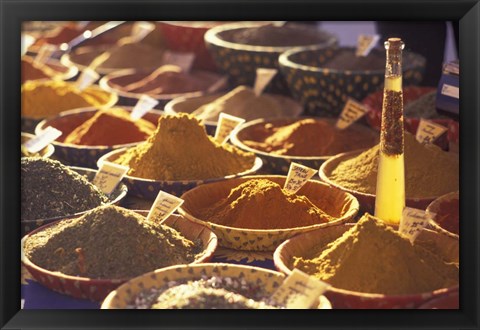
pixel 429 131
pixel 365 43
pixel 145 104
pixel 352 111
pixel 413 221
pixel 263 78
pixel 44 53
pixel 109 176
pixel 182 60
pixel 299 291
pixel 140 30
pixel 163 206
pixel 27 41
pixel 225 126
pixel 297 176
pixel 39 142
pixel 451 91
pixel 87 78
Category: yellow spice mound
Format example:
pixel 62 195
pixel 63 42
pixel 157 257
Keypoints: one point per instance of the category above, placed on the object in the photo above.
pixel 180 149
pixel 372 257
pixel 429 171
pixel 47 98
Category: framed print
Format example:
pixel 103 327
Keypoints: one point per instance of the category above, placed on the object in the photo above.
pixel 312 156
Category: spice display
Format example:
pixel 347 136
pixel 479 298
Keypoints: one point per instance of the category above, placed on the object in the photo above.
pixel 346 59
pixel 167 79
pixel 241 102
pixel 307 137
pixel 372 257
pixel 423 107
pixel 429 171
pixel 110 127
pixel 278 36
pixel 34 71
pixel 180 149
pixel 50 189
pixel 208 292
pixel 109 242
pixel 263 204
pixel 47 98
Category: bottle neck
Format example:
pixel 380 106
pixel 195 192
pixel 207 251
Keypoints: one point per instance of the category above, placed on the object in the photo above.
pixel 393 67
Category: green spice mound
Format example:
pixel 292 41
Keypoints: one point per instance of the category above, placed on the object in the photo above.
pixel 109 242
pixel 50 189
pixel 372 257
pixel 189 296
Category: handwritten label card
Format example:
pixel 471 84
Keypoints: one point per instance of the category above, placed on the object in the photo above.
pixel 352 111
pixel 140 30
pixel 365 44
pixel 164 205
pixel 429 131
pixel 413 221
pixel 87 78
pixel 182 60
pixel 44 53
pixel 145 104
pixel 299 290
pixel 109 176
pixel 225 126
pixel 39 142
pixel 264 76
pixel 297 176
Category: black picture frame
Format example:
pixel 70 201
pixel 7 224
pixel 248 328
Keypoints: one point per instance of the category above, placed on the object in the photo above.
pixel 13 12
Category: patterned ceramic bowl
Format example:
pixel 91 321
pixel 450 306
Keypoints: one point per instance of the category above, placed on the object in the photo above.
pixel 240 61
pixel 267 279
pixel 28 124
pixel 302 246
pixel 112 82
pixel 81 155
pixel 444 214
pixel 280 164
pixel 98 289
pixel 45 152
pixel 323 92
pixel 336 203
pixel 115 198
pixel 148 189
pixel 367 201
pixel 411 93
pixel 290 108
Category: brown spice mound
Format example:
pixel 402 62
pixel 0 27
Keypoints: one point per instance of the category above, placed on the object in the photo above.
pixel 263 204
pixel 180 149
pixel 429 171
pixel 308 137
pixel 34 71
pixel 109 242
pixel 372 257
pixel 110 127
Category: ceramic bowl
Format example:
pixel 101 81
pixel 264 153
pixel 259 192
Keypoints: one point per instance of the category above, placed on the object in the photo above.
pixel 98 289
pixel 367 201
pixel 81 155
pixel 447 301
pixel 115 198
pixel 342 206
pixel 148 189
pixel 46 152
pixel 268 280
pixel 280 164
pixel 240 61
pixel 112 81
pixel 323 92
pixel 444 214
pixel 303 245
pixel 374 101
pixel 290 108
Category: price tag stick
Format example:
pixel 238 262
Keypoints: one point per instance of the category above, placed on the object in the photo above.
pixel 225 127
pixel 140 30
pixel 182 60
pixel 39 142
pixel 163 206
pixel 144 105
pixel 299 290
pixel 297 176
pixel 87 78
pixel 352 111
pixel 263 78
pixel 44 53
pixel 413 221
pixel 109 176
pixel 365 44
pixel 428 131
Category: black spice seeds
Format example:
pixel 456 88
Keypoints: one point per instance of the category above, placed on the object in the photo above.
pixel 109 242
pixel 391 137
pixel 50 189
